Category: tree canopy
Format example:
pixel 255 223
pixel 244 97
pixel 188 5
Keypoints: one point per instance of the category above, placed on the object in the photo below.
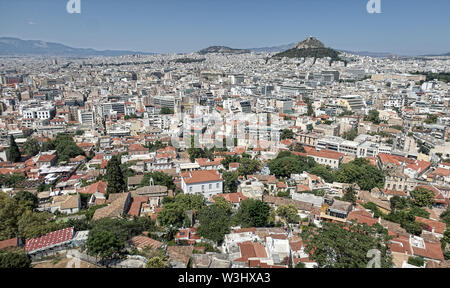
pixel 332 246
pixel 31 147
pixel 114 176
pixel 214 222
pixel 13 153
pixel 253 213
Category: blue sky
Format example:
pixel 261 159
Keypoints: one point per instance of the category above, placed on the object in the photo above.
pixel 407 27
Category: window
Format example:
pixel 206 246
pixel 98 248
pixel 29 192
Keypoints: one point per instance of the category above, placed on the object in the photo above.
pixel 190 189
pixel 210 186
pixel 217 185
pixel 203 187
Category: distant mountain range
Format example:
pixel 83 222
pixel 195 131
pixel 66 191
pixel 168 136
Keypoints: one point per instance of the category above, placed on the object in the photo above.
pixel 438 55
pixel 13 46
pixel 222 49
pixel 273 49
pixel 10 46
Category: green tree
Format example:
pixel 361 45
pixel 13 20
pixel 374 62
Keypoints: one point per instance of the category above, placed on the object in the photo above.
pixel 165 111
pixel 289 213
pixel 248 166
pixel 35 224
pixel 298 148
pixel 287 134
pixel 230 182
pixel 332 246
pixel 445 217
pixel 416 261
pixel 373 117
pixel 324 172
pixel 159 178
pixel 26 199
pixel 66 147
pixel 155 262
pixel 214 223
pixel 253 213
pixel 114 176
pixel 422 197
pixel 224 204
pixel 361 172
pixel 350 195
pixel 431 119
pixel 351 134
pixel 172 214
pixel 287 163
pixel 15 258
pixel 13 153
pixel 103 243
pixel 31 147
pixel 10 213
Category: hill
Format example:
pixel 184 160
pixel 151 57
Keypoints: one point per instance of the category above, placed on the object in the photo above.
pixel 309 48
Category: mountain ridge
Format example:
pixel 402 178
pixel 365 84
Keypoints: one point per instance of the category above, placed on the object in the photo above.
pixel 10 46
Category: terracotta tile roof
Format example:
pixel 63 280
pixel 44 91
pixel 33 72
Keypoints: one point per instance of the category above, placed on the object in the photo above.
pixel 9 243
pixel 324 153
pixel 142 242
pixel 46 158
pixel 441 172
pixel 362 217
pixel 251 250
pixel 137 148
pixel 439 227
pixel 232 197
pixel 135 209
pixel 50 239
pixel 432 251
pixel 201 176
pixel 395 193
pixel 99 187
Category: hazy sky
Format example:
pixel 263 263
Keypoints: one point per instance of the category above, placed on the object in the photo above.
pixel 408 27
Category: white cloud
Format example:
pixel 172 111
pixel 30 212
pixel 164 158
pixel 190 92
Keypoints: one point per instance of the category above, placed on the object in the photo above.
pixel 31 23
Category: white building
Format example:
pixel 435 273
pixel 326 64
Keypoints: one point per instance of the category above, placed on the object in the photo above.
pixel 205 182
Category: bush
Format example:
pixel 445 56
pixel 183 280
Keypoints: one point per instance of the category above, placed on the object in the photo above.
pixel 416 261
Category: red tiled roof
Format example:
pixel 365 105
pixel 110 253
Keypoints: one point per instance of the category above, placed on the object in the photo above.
pixel 143 242
pixel 50 239
pixel 439 227
pixel 135 209
pixel 201 176
pixel 8 243
pixel 324 153
pixel 251 250
pixel 46 158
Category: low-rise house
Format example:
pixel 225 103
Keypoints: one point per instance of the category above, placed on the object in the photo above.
pixel 155 194
pixel 142 242
pixel 335 210
pixel 415 246
pixel 46 160
pixel 66 204
pixel 433 227
pixel 119 205
pixel 205 182
pixel 49 243
pixel 187 236
pixel 134 182
pixel 233 198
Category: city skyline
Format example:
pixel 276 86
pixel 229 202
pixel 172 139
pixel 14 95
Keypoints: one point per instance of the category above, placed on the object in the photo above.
pixel 183 27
